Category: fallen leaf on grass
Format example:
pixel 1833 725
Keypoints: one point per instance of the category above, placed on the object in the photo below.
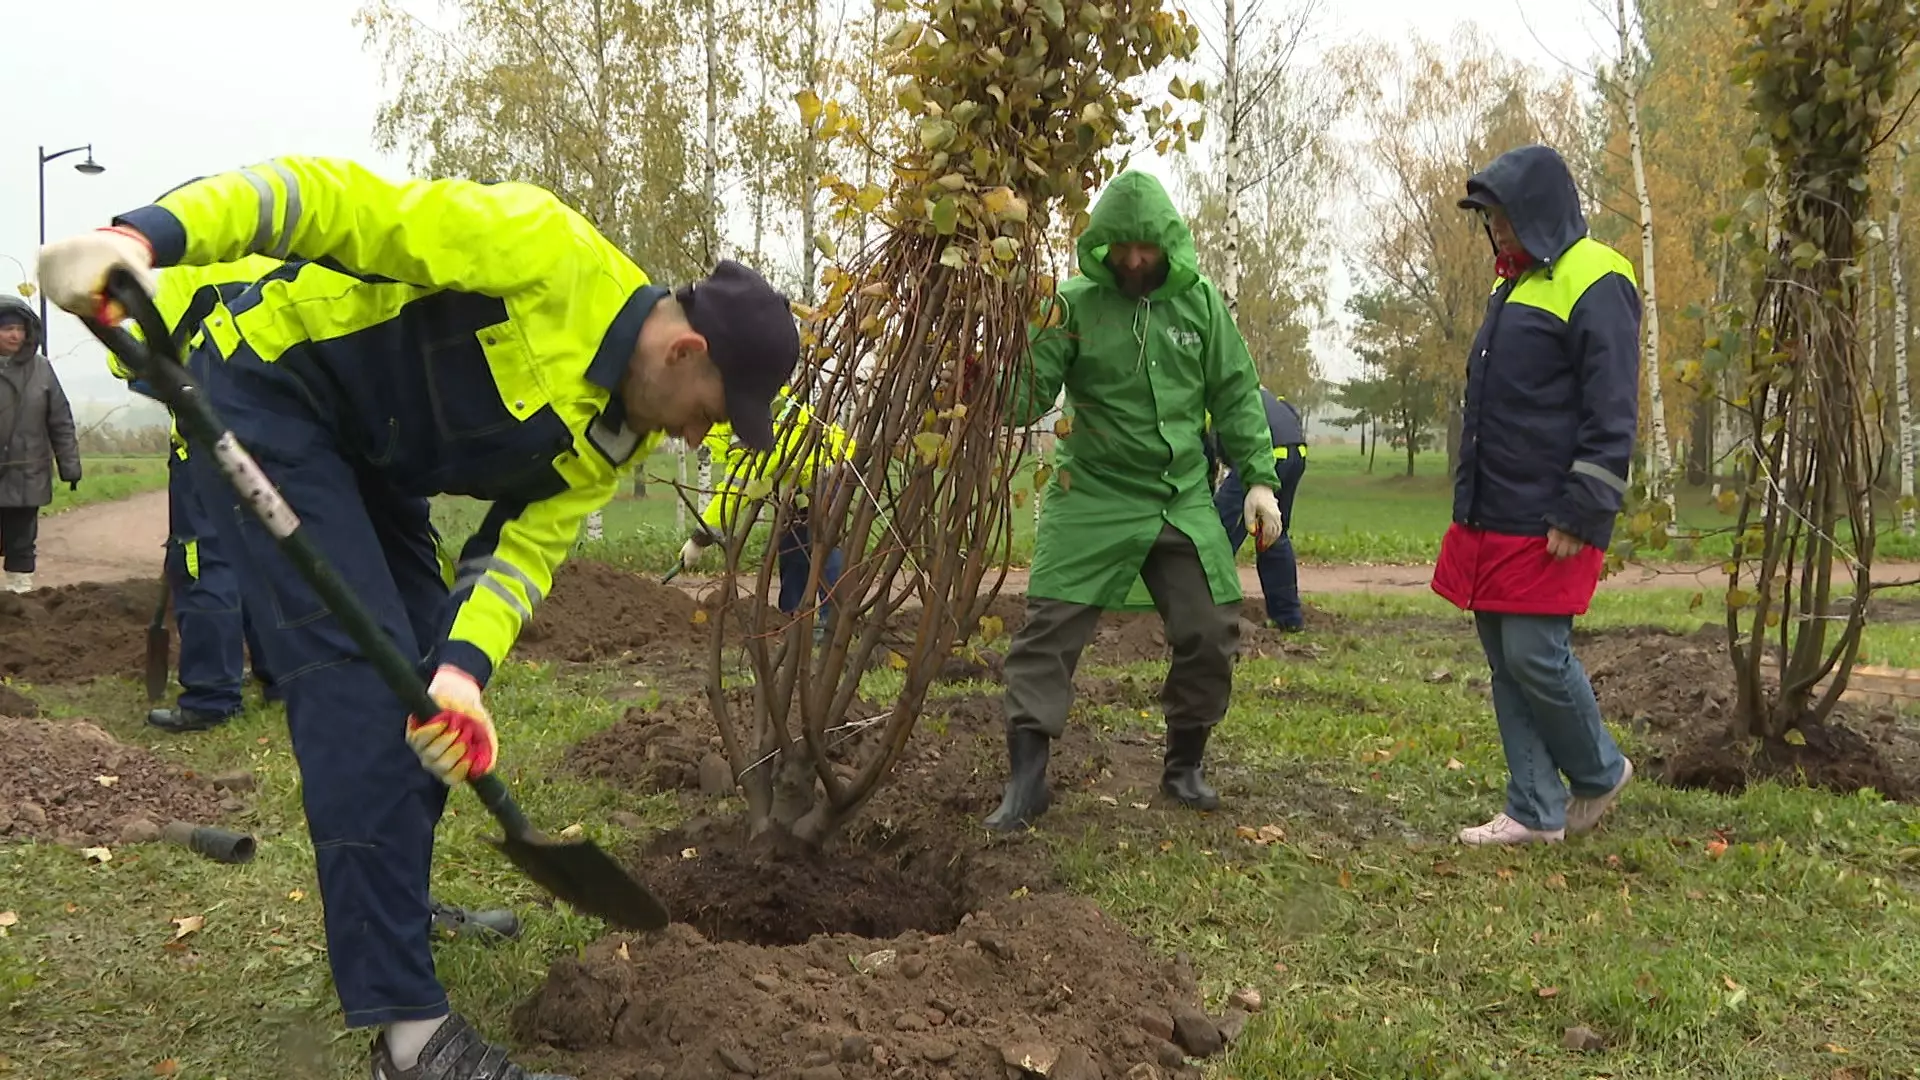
pixel 1456 764
pixel 1346 879
pixel 1262 836
pixel 1110 800
pixel 1556 881
pixel 689 853
pixel 166 1067
pixel 1440 676
pixel 1548 991
pixel 1443 868
pixel 1505 873
pixel 1696 894
pixel 1716 848
pixel 188 924
pixel 1833 1049
pixel 8 918
pixel 106 781
pixel 1138 805
pixel 297 895
pixel 573 830
pixel 97 854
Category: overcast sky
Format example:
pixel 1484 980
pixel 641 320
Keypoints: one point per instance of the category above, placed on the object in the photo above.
pixel 143 81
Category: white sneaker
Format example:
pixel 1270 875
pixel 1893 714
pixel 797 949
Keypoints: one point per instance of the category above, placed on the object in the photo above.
pixel 1584 814
pixel 1504 830
pixel 19 583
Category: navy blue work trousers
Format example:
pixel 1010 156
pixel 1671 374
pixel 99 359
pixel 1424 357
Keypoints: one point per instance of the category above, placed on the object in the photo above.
pixel 371 807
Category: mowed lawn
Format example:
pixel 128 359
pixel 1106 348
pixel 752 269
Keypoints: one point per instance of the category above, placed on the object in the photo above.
pixel 1382 949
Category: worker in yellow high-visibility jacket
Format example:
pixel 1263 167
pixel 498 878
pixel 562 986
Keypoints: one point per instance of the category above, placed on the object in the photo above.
pixel 464 338
pixel 789 470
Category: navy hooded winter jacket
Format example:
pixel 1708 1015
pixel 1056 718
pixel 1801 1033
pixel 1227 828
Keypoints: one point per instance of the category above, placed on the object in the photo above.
pixel 1553 393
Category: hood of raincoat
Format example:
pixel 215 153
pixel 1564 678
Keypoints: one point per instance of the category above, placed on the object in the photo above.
pixel 1533 185
pixel 35 335
pixel 1135 209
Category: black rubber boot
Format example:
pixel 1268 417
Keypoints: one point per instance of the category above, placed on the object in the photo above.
pixel 489 924
pixel 1182 780
pixel 1026 796
pixel 178 721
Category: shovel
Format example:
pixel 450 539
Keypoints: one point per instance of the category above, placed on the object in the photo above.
pixel 575 871
pixel 159 647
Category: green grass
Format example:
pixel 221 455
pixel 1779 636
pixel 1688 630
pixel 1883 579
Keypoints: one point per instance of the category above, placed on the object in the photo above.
pixel 108 478
pixel 1383 949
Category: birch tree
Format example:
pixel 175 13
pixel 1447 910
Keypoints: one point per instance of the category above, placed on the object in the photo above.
pixel 1626 85
pixel 1901 391
pixel 1273 113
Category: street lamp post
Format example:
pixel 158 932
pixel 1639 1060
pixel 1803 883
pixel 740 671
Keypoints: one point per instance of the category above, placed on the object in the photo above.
pixel 88 167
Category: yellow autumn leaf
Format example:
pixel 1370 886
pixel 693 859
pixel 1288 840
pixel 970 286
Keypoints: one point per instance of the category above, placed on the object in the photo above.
pixel 699 616
pixel 1063 427
pixel 809 103
pixel 927 445
pixel 188 924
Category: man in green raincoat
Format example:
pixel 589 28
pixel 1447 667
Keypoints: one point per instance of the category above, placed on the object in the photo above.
pixel 1144 346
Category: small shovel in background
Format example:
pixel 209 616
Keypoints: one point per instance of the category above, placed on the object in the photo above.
pixel 159 645
pixel 575 871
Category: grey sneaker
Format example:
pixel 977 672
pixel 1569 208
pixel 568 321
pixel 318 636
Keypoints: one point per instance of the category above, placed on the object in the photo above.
pixel 1584 814
pixel 456 1052
pixel 453 921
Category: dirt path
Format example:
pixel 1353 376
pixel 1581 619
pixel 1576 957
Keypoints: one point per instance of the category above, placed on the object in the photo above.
pixel 105 542
pixel 120 540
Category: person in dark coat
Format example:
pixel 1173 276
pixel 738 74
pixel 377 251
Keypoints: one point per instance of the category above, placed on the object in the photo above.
pixel 1279 573
pixel 36 434
pixel 1552 407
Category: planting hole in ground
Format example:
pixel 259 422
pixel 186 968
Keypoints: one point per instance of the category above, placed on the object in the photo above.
pixel 766 893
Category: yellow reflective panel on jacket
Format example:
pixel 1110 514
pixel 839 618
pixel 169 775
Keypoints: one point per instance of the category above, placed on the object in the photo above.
pixel 787 468
pixel 469 322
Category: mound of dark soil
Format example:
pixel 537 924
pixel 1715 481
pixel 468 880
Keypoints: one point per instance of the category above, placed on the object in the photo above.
pixel 72 782
pixel 76 632
pixel 653 747
pixel 1677 692
pixel 946 985
pixel 596 612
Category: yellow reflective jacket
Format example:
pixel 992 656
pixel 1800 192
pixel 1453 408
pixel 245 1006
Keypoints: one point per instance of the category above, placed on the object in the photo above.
pixel 469 338
pixel 741 467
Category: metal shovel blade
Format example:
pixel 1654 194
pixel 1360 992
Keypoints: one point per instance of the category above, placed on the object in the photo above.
pixel 587 878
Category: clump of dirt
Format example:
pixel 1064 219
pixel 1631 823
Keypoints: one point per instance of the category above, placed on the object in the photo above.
pixel 16 704
pixel 973 986
pixel 72 782
pixel 659 747
pixel 75 632
pixel 1677 692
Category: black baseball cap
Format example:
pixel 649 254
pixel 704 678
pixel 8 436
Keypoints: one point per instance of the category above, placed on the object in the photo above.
pixel 1479 197
pixel 751 337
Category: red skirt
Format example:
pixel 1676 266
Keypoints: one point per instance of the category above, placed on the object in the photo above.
pixel 1514 575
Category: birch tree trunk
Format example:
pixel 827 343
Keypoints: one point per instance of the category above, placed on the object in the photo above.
pixel 1230 286
pixel 1897 277
pixel 710 183
pixel 1662 452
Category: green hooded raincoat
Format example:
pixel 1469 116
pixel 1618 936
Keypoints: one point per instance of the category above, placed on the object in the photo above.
pixel 1141 377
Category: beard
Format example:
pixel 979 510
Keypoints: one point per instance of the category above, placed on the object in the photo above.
pixel 1137 284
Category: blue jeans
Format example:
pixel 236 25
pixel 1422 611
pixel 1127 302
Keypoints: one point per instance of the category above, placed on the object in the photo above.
pixel 796 562
pixel 1549 721
pixel 1279 574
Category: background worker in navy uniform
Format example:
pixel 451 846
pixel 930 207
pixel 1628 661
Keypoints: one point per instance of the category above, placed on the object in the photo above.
pixel 1279 573
pixel 493 344
pixel 215 635
pixel 791 472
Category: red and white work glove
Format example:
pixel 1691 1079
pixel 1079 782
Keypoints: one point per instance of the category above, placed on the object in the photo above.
pixel 74 271
pixel 1262 515
pixel 459 741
